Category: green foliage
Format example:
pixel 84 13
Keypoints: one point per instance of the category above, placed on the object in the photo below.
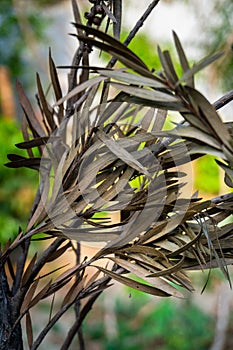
pixel 220 37
pixel 216 28
pixel 12 38
pixel 140 46
pixel 143 324
pixel 17 187
pixel 207 175
pixel 47 2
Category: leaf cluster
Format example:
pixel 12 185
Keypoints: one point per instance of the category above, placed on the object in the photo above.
pixel 103 147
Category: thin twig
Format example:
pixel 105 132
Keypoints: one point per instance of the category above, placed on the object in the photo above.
pixel 224 100
pixel 102 284
pixel 77 324
pixel 136 28
pixel 77 305
pixel 45 256
pixel 50 324
pixel 20 293
pixel 222 198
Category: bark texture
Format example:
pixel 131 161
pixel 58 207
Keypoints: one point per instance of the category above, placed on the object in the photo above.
pixel 10 339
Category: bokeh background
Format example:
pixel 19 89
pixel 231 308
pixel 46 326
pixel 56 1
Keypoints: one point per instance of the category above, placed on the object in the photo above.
pixel 122 318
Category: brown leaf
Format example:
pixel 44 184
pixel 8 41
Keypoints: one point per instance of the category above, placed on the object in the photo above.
pixel 77 15
pixel 143 273
pixel 79 88
pixel 27 273
pixel 73 292
pixel 19 162
pixel 29 113
pixel 146 94
pixel 199 66
pixel 134 79
pixel 168 66
pixel 35 142
pixel 29 330
pixel 218 128
pixel 40 295
pixel 29 295
pixel 47 110
pixel 134 284
pixel 122 153
pixel 113 44
pixel 183 60
pixel 56 85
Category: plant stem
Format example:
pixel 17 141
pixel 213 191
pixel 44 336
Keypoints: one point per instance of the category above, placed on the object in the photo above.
pixel 136 28
pixel 224 100
pixel 7 317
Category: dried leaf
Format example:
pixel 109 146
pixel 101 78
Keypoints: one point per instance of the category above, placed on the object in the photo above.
pixel 113 44
pixel 146 93
pixel 190 132
pixel 134 284
pixel 56 85
pixel 40 295
pixel 133 78
pixel 212 118
pixel 183 60
pixel 29 113
pixel 19 162
pixel 27 273
pixel 228 173
pixel 59 252
pixel 73 292
pixel 122 153
pixel 79 88
pixel 48 112
pixel 199 66
pixel 90 235
pixel 122 55
pixel 36 142
pixel 77 15
pixel 109 13
pixel 29 330
pixel 166 105
pixel 168 66
pixel 141 272
pixel 29 296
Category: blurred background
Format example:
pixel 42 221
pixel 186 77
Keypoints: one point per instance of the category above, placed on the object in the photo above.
pixel 123 319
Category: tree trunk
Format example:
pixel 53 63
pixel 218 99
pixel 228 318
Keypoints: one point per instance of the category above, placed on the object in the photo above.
pixel 10 339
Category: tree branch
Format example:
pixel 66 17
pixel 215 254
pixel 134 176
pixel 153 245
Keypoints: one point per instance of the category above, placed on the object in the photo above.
pixel 136 28
pixel 224 100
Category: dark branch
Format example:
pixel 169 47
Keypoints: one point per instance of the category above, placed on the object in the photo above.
pixel 136 28
pixel 224 100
